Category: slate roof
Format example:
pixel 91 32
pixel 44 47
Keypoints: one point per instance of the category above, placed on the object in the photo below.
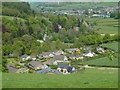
pixel 34 64
pixel 48 70
pixel 59 57
pixel 46 53
pixel 63 65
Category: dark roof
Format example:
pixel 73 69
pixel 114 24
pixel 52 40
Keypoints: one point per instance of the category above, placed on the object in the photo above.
pixel 69 69
pixel 35 63
pixel 63 65
pixel 47 70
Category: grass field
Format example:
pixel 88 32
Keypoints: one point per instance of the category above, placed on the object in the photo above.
pixel 105 25
pixel 102 61
pixel 106 78
pixel 113 45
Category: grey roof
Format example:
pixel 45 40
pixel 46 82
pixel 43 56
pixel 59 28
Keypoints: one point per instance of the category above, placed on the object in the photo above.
pixel 72 49
pixel 50 61
pixel 24 56
pixel 32 56
pixel 63 65
pixel 10 66
pixel 47 70
pixel 46 53
pixel 59 57
pixel 35 63
pixel 12 70
pixel 79 56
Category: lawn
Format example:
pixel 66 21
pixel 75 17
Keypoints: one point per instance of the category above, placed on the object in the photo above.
pixel 106 78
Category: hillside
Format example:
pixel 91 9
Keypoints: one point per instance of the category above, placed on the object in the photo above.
pixel 70 5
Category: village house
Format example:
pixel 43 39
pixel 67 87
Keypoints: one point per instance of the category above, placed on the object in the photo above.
pixel 71 50
pixel 100 50
pixel 60 58
pixel 47 55
pixel 48 71
pixel 12 69
pixel 33 57
pixel 75 57
pixel 50 62
pixel 89 54
pixel 65 68
pixel 25 57
pixel 58 52
pixel 36 65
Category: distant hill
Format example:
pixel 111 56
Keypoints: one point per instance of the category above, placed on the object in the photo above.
pixel 20 9
pixel 70 5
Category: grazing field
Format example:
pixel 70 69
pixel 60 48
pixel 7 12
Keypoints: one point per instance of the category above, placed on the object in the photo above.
pixel 102 61
pixel 112 45
pixel 105 25
pixel 106 78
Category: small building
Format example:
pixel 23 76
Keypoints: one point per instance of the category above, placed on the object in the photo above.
pixel 25 57
pixel 100 50
pixel 36 65
pixel 89 54
pixel 71 50
pixel 65 68
pixel 60 58
pixel 48 71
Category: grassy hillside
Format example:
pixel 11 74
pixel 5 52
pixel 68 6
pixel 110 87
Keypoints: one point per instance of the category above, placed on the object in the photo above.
pixel 102 61
pixel 113 45
pixel 105 25
pixel 106 78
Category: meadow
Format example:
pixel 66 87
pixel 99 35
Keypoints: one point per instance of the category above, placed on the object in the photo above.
pixel 105 25
pixel 106 78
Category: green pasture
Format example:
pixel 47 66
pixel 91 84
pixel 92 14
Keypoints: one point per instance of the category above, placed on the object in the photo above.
pixel 106 78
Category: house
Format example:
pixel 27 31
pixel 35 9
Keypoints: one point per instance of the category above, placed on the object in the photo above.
pixel 25 57
pixel 47 55
pixel 33 57
pixel 71 50
pixel 58 52
pixel 11 68
pixel 100 50
pixel 60 58
pixel 77 57
pixel 50 62
pixel 89 54
pixel 22 70
pixel 70 56
pixel 76 28
pixel 48 71
pixel 65 68
pixel 40 56
pixel 36 65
